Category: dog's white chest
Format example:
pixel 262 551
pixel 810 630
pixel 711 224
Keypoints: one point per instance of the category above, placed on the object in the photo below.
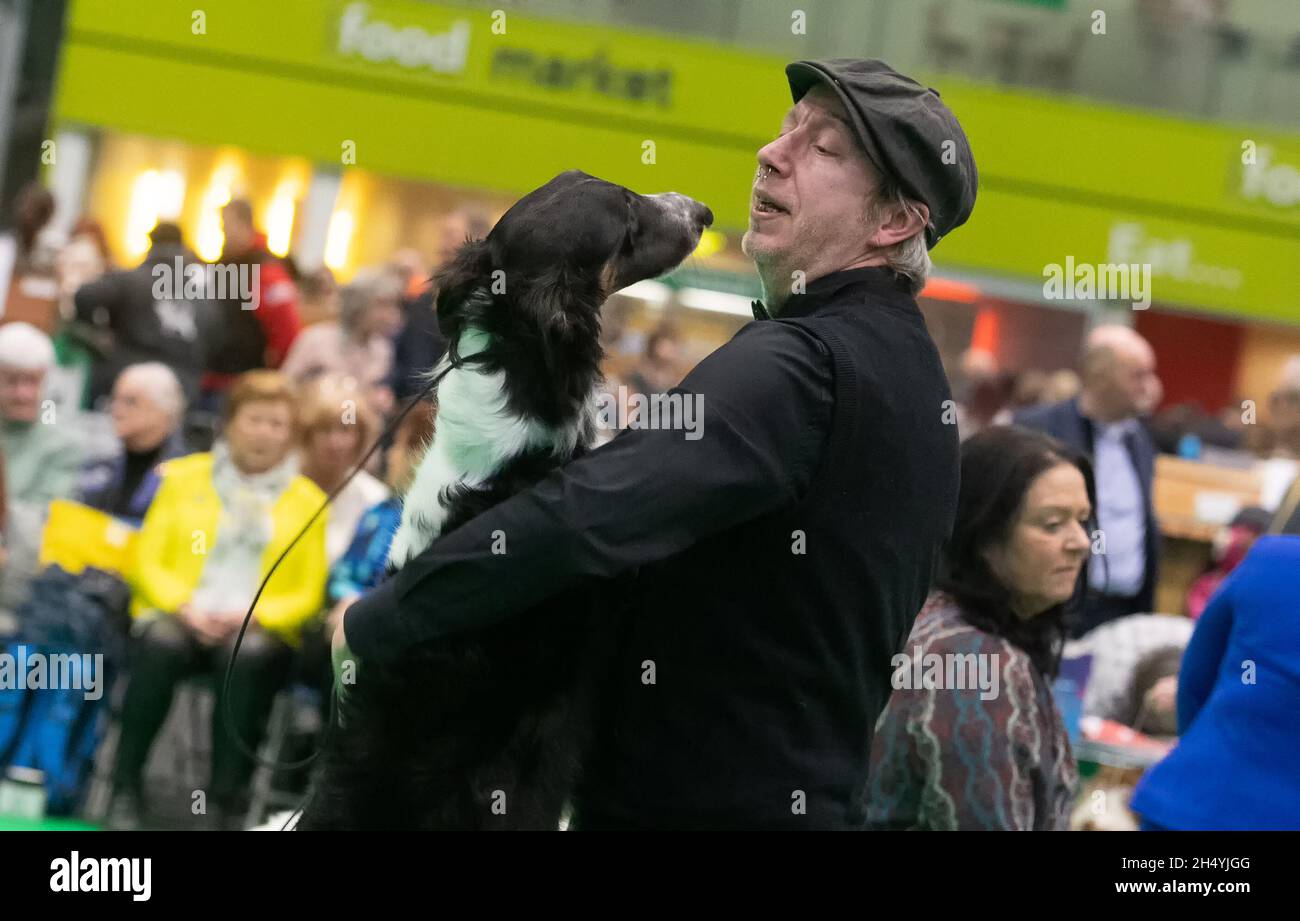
pixel 476 434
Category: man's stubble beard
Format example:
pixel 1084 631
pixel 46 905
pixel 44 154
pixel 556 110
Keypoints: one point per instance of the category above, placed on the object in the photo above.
pixel 773 268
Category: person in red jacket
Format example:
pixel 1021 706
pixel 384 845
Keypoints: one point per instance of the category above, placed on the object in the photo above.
pixel 258 336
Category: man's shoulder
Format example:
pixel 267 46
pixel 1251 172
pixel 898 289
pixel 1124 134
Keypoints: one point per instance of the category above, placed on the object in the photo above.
pixel 770 374
pixel 774 330
pixel 768 343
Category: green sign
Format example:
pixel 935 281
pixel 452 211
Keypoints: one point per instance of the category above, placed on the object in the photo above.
pixel 498 100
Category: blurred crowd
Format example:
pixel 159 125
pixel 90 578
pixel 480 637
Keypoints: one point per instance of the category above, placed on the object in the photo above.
pixel 211 433
pixel 205 435
pixel 988 395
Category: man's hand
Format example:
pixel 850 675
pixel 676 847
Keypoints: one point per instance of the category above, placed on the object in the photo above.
pixel 334 619
pixel 346 666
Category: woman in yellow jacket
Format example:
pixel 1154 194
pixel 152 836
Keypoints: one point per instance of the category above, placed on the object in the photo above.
pixel 217 524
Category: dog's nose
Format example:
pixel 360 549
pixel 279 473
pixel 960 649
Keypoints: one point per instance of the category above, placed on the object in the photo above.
pixel 703 214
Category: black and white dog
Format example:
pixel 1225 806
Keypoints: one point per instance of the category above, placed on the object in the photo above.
pixel 488 730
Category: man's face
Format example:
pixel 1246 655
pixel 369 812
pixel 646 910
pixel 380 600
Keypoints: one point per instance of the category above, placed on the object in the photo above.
pixel 20 394
pixel 1128 383
pixel 808 213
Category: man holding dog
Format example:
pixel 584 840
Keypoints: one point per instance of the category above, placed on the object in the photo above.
pixel 776 564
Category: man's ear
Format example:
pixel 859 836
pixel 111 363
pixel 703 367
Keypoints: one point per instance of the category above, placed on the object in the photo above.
pixel 456 282
pixel 901 224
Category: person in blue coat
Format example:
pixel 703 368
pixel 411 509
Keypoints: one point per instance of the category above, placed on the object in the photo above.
pixel 1237 762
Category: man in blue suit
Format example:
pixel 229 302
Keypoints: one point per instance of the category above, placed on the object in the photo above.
pixel 1119 384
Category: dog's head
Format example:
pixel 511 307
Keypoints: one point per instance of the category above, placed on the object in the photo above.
pixel 537 282
pixel 578 231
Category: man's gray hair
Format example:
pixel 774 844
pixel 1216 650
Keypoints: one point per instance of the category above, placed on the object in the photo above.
pixel 909 258
pixel 23 347
pixel 162 385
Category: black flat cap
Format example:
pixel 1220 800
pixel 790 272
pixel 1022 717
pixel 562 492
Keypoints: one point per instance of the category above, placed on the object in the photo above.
pixel 907 132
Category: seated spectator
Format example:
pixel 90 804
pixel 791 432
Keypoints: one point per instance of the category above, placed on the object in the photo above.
pixel 990 751
pixel 42 458
pixel 41 449
pixel 1152 705
pixel 359 344
pixel 1234 767
pixel 1130 655
pixel 4 516
pixel 140 327
pixel 147 409
pixel 319 297
pixel 217 524
pixel 362 566
pixel 420 345
pixel 338 427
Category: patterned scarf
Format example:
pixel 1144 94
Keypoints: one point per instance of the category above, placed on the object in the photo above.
pixel 231 574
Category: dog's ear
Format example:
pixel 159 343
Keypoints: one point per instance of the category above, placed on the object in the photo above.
pixel 559 298
pixel 456 283
pixel 563 308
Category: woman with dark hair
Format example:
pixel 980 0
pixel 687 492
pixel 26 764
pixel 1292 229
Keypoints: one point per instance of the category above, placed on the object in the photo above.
pixel 971 737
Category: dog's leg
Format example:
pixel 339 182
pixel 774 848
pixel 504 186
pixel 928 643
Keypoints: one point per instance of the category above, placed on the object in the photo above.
pixel 423 512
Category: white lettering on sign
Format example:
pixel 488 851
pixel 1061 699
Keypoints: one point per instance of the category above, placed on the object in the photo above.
pixel 1276 183
pixel 1128 242
pixel 407 46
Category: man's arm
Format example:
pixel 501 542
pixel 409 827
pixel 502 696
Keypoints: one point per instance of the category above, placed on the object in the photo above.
pixel 766 412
